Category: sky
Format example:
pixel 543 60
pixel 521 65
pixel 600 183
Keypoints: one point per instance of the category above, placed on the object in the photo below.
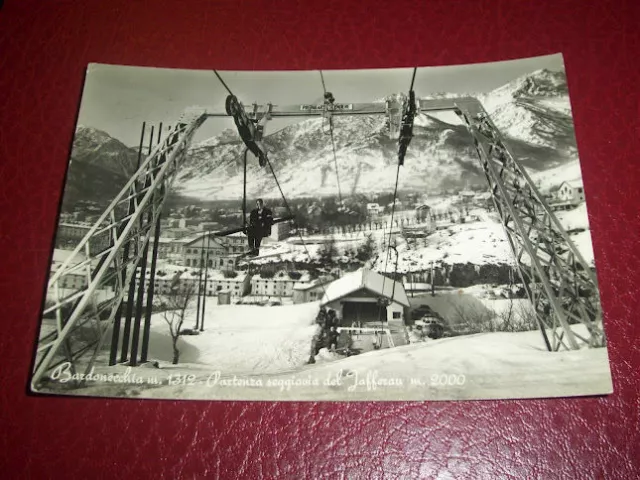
pixel 117 99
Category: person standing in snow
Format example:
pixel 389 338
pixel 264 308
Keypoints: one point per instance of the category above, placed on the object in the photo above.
pixel 333 339
pixel 321 318
pixel 333 319
pixel 356 324
pixel 315 344
pixel 377 340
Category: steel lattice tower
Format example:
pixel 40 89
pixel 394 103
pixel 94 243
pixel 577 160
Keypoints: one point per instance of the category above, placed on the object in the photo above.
pixel 559 282
pixel 81 321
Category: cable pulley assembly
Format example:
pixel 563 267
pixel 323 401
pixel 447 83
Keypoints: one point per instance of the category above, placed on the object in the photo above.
pixel 408 116
pixel 406 130
pixel 249 131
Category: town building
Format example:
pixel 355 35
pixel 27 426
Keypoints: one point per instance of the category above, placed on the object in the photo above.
pixel 76 279
pixel 188 222
pixel 214 252
pixel 280 231
pixel 566 196
pixel 424 214
pixel 180 281
pixel 310 291
pixel 466 196
pixel 208 226
pixel 361 296
pixel 483 200
pixel 69 234
pixel 374 209
pixel 572 192
pixel 169 248
pixel 281 284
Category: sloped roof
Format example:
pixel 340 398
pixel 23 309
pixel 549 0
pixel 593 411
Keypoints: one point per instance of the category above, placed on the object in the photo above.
pixel 483 195
pixel 368 279
pixel 572 183
pixel 202 236
pixel 307 284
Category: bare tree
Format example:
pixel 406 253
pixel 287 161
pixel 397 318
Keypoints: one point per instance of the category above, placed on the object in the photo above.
pixel 175 308
pixel 517 317
pixel 470 318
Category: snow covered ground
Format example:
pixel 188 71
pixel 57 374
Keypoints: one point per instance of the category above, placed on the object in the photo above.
pixel 479 243
pixel 559 104
pixel 243 339
pixel 256 353
pixel 483 366
pixel 568 172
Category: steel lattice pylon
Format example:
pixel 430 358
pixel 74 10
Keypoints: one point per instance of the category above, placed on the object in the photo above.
pixel 81 320
pixel 560 284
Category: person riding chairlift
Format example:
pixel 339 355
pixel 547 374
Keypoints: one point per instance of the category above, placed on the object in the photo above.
pixel 260 223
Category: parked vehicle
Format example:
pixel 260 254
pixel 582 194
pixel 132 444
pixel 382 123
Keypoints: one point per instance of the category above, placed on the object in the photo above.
pixel 431 326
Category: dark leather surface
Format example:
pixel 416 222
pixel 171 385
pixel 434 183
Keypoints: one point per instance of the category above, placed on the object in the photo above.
pixel 44 48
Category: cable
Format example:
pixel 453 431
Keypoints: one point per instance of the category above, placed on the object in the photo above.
pixel 386 262
pixel 233 184
pixel 395 190
pixel 335 161
pixel 393 210
pixel 322 80
pixel 244 190
pixel 224 84
pixel 333 142
pixel 413 78
pixel 284 199
pixel 290 212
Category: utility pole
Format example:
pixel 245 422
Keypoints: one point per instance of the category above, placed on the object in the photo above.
pixel 206 279
pixel 199 289
pixel 433 281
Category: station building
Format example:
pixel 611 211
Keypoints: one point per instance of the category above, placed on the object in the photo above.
pixel 362 296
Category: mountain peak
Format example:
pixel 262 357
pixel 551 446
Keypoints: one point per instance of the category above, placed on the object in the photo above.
pixel 543 82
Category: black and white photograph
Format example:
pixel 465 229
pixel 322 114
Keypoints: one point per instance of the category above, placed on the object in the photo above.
pixel 415 233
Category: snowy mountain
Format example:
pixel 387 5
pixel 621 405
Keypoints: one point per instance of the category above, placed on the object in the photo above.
pixel 532 111
pixel 535 109
pixel 90 182
pixel 95 147
pixel 99 167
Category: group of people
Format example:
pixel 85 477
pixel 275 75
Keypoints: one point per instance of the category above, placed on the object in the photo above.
pixel 326 333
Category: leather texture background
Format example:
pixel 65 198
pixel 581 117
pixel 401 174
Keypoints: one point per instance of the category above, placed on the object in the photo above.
pixel 44 49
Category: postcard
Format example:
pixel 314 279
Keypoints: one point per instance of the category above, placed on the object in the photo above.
pixel 418 233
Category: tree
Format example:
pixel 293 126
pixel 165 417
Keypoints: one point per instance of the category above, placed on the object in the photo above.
pixel 520 317
pixel 470 317
pixel 176 305
pixel 328 252
pixel 366 250
pixel 229 273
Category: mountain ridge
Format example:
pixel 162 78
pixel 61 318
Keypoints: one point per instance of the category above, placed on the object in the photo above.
pixel 441 154
pixel 532 112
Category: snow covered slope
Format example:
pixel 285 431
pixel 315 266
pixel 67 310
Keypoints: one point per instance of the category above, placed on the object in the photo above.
pixel 243 339
pixel 478 243
pixel 492 365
